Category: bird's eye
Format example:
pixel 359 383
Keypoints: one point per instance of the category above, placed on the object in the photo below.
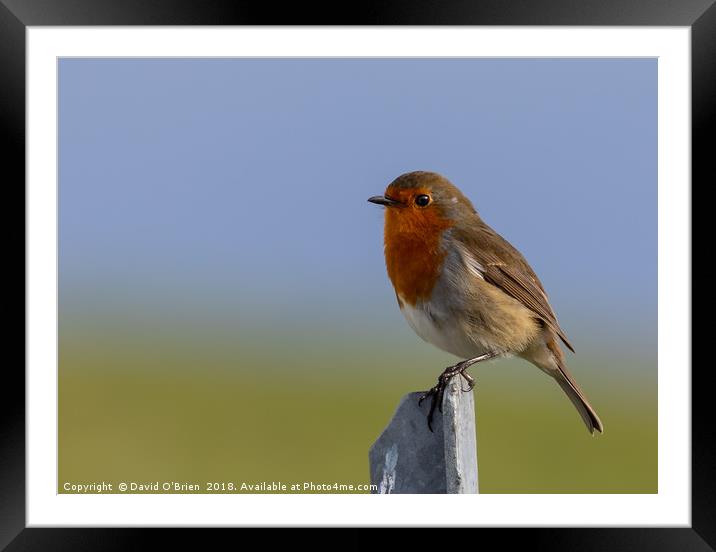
pixel 422 200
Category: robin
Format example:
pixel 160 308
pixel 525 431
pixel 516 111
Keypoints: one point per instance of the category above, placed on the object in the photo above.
pixel 464 288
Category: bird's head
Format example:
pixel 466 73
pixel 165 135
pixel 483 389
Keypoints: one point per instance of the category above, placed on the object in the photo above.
pixel 422 202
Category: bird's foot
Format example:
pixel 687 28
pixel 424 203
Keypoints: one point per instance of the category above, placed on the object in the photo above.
pixel 437 392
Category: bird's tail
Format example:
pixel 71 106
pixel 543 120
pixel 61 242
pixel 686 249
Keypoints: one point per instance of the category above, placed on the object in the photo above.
pixel 576 395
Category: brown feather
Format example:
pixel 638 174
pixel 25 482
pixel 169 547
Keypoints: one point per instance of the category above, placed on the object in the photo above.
pixel 569 385
pixel 506 268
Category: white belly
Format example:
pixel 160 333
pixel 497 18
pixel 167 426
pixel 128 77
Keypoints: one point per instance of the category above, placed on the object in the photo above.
pixel 440 330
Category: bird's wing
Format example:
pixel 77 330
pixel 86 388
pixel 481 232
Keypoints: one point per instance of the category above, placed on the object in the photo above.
pixel 503 266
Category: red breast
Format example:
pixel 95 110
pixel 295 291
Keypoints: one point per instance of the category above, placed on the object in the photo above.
pixel 413 244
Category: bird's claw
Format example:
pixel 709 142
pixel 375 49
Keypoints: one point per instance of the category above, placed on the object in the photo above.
pixel 470 382
pixel 434 393
pixel 438 391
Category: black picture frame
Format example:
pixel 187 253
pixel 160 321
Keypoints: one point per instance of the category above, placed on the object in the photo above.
pixel 17 15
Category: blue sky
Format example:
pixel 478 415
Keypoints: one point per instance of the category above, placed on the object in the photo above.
pixel 242 183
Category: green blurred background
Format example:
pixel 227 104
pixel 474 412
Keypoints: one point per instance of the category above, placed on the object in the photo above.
pixel 174 403
pixel 224 310
pixel 143 409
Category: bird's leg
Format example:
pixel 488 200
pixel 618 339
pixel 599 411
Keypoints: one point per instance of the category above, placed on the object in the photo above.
pixel 437 392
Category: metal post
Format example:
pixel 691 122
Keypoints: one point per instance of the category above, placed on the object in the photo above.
pixel 408 458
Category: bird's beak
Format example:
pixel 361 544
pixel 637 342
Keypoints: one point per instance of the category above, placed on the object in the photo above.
pixel 382 200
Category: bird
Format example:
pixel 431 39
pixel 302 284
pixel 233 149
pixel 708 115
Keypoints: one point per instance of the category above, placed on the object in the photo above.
pixel 466 290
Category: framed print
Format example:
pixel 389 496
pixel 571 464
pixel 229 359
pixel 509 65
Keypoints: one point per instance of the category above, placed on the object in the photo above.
pixel 211 339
